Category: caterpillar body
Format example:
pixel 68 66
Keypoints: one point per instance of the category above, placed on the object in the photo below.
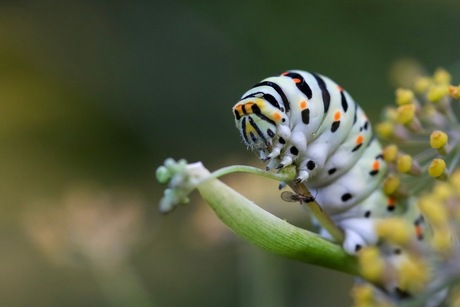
pixel 308 120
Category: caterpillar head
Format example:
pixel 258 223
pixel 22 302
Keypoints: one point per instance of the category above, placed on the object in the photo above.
pixel 258 122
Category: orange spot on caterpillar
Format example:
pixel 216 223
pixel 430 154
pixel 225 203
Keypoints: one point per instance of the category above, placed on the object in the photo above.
pixel 418 232
pixel 359 139
pixel 339 87
pixel 277 116
pixel 296 80
pixel 376 165
pixel 303 104
pixel 285 73
pixel 391 202
pixel 337 116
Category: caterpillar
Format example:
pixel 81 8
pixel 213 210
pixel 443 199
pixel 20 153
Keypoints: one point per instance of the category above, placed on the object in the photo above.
pixel 308 120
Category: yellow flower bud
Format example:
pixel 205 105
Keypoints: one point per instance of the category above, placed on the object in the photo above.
pixel 371 264
pixel 363 295
pixel 404 163
pixel 390 153
pixel 441 240
pixel 404 96
pixel 422 84
pixel 413 275
pixel 436 93
pixel 441 76
pixel 437 168
pixel 443 190
pixel 454 91
pixel 406 114
pixel 385 130
pixel 433 210
pixel 391 185
pixel 438 139
pixel 454 179
pixel 394 230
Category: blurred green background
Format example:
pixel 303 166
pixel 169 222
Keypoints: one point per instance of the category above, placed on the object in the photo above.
pixel 95 95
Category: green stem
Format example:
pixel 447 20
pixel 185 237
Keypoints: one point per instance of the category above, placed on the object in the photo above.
pixel 261 228
pixel 323 219
pixel 288 175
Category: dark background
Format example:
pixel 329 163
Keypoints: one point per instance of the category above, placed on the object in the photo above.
pixel 94 95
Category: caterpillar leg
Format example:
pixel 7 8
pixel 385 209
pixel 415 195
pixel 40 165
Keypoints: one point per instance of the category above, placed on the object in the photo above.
pixel 284 136
pixel 302 175
pixel 292 152
pixel 276 151
pixel 359 232
pixel 263 155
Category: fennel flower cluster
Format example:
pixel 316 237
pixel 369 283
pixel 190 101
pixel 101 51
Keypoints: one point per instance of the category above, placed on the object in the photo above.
pixel 423 149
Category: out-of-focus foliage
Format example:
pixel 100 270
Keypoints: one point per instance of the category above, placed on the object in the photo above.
pixel 93 96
